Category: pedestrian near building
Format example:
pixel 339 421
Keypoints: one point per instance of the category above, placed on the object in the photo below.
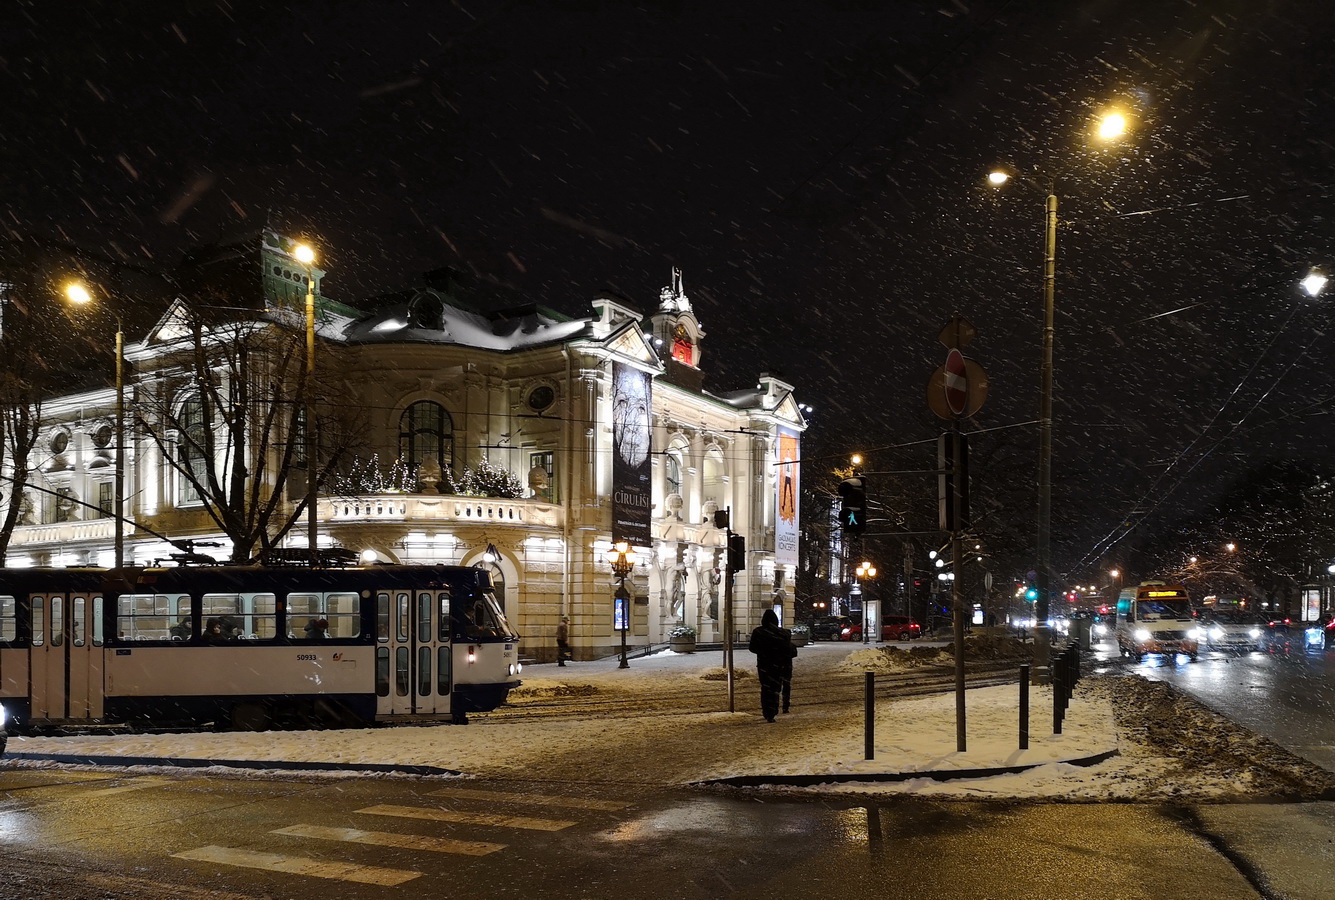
pixel 563 641
pixel 774 653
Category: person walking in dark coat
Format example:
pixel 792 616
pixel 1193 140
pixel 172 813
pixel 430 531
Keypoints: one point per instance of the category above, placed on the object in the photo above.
pixel 774 653
pixel 563 641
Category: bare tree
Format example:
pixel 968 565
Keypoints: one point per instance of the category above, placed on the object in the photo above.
pixel 20 422
pixel 226 412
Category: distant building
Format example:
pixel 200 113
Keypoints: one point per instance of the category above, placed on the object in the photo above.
pixel 516 439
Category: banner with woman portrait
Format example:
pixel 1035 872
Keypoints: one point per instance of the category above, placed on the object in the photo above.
pixel 785 505
pixel 632 482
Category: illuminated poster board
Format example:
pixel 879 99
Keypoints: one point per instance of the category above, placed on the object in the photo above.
pixel 785 505
pixel 632 488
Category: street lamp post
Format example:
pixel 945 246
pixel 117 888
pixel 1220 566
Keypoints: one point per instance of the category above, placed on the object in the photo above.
pixel 306 256
pixel 77 293
pixel 622 559
pixel 1109 127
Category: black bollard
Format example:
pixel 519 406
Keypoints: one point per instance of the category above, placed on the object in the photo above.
pixel 869 717
pixel 1058 691
pixel 1024 707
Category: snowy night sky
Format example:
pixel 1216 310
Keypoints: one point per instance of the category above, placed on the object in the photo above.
pixel 816 168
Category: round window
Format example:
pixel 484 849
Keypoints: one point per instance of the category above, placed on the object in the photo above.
pixel 541 397
pixel 59 442
pixel 102 437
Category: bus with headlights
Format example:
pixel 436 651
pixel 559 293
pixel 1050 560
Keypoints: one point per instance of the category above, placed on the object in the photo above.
pixel 1156 617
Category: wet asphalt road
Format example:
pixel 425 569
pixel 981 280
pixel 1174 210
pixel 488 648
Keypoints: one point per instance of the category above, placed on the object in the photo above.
pixel 1286 691
pixel 79 835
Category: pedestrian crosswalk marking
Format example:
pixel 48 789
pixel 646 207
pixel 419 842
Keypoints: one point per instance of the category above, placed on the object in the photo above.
pixel 298 865
pixel 533 799
pixel 386 839
pixel 467 818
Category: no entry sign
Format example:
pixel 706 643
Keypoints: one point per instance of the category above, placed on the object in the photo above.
pixel 957 383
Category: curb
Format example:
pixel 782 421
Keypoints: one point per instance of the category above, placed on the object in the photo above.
pixel 850 777
pixel 283 765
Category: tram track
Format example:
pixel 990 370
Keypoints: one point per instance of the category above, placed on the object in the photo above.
pixel 711 697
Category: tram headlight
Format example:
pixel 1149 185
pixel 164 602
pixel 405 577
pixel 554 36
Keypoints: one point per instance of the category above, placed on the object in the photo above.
pixel 4 717
pixel 1255 632
pixel 519 667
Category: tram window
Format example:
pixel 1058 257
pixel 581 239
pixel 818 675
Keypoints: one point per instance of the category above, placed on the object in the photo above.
pixel 382 625
pixel 225 609
pixel 402 616
pixel 443 671
pixel 144 617
pixel 98 608
pixel 79 607
pixel 444 615
pixel 9 619
pixel 423 671
pixel 261 611
pixel 401 671
pixel 424 616
pixel 382 671
pixel 341 611
pixel 38 621
pixel 57 621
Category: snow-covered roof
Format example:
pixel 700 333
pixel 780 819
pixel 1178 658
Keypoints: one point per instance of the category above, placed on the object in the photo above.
pixel 427 317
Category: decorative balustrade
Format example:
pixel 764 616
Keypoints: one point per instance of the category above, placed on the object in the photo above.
pixel 440 508
pixel 64 532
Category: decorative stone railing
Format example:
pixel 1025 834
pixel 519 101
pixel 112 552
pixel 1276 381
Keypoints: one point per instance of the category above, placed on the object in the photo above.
pixel 440 508
pixel 64 532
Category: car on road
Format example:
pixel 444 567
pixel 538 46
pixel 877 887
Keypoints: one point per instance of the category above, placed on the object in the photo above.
pixel 1233 630
pixel 827 628
pixel 893 628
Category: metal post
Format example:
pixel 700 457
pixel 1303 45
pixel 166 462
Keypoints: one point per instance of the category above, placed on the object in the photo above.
pixel 869 715
pixel 118 488
pixel 1056 680
pixel 728 625
pixel 957 601
pixel 1024 707
pixel 623 596
pixel 1042 635
pixel 312 533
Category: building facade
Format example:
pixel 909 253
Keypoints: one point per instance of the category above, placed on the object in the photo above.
pixel 518 439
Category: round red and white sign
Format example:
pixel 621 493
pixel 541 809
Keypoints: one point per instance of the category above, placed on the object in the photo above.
pixel 957 383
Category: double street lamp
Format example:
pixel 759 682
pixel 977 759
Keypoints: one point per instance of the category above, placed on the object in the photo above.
pixel 77 293
pixel 622 559
pixel 1108 127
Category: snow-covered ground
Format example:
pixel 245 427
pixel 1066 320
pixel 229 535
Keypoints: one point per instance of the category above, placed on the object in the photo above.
pixel 1166 745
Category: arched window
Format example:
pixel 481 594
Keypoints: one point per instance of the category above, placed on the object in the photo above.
pixel 714 487
pixel 191 450
pixel 425 430
pixel 673 473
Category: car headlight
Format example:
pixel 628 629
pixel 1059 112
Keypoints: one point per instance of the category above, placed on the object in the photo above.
pixel 4 716
pixel 1217 634
pixel 1255 633
pixel 1142 634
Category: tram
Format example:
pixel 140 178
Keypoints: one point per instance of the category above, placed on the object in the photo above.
pixel 251 647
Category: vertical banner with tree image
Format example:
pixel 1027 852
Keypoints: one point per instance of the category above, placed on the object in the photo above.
pixel 785 504
pixel 632 483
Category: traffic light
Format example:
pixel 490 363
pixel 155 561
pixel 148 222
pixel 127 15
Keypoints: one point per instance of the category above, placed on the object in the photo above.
pixel 736 553
pixel 1031 592
pixel 853 504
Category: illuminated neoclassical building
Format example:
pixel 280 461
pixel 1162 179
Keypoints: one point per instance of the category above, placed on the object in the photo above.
pixel 590 430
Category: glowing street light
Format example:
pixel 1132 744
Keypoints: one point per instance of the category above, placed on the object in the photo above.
pixel 77 293
pixel 306 256
pixel 1315 282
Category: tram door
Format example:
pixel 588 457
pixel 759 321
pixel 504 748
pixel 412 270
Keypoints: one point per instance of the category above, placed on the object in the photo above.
pixel 67 661
pixel 413 670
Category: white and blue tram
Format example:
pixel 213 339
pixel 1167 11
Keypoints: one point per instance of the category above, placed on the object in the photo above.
pixel 251 647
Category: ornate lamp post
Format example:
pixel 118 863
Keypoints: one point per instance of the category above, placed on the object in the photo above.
pixel 77 293
pixel 622 559
pixel 865 572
